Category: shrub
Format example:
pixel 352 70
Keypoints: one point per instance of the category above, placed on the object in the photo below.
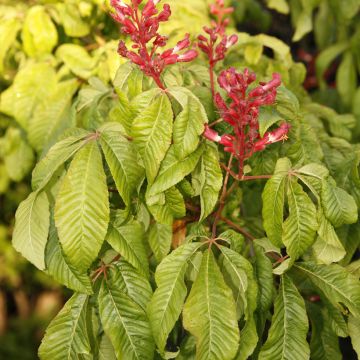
pixel 198 202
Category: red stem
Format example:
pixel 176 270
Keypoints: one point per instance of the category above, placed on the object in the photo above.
pixel 212 80
pixel 211 68
pixel 222 198
pixel 244 178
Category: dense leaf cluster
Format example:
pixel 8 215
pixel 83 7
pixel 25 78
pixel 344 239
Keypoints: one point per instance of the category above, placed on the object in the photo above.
pixel 126 190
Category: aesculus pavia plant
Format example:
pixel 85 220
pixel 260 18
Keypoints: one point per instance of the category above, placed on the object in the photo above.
pixel 175 251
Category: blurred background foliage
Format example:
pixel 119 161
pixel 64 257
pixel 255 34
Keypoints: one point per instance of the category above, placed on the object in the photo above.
pixel 50 49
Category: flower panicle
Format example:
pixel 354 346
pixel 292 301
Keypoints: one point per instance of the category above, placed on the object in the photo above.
pixel 242 113
pixel 142 26
pixel 215 42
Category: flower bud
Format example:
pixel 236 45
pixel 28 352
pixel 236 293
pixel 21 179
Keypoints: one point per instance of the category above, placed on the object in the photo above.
pixel 165 13
pixel 227 140
pixel 181 45
pixel 172 59
pixel 211 134
pixel 220 103
pixel 128 26
pixel 135 58
pixel 188 56
pixel 232 40
pixel 122 49
pixel 149 9
pixel 274 83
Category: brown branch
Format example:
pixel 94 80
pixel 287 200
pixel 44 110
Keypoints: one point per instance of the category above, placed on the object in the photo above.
pixel 192 207
pixel 222 198
pixel 238 228
pixel 218 121
pixel 255 177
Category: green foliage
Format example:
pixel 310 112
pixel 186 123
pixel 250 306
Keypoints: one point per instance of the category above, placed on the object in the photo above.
pixel 210 313
pixel 66 336
pixel 289 325
pixel 125 190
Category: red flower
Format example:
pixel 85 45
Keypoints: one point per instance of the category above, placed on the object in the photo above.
pixel 242 114
pixel 216 51
pixel 142 26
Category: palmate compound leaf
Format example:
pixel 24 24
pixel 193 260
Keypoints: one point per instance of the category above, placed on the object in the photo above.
pixel 17 154
pixel 339 207
pixel 106 350
pixel 354 332
pixel 338 285
pixel 168 299
pixel 160 237
pixel 82 208
pixel 152 132
pixel 31 86
pixel 336 318
pixel 324 343
pixel 327 247
pixel 56 157
pixel 52 117
pixel 129 80
pixel 32 220
pixel 58 267
pixel 128 241
pixel 234 239
pixel 273 201
pixel 300 227
pixel 125 323
pixel 289 326
pixel 67 335
pixel 39 34
pixel 306 146
pixel 189 123
pixel 141 102
pixel 210 313
pixel 132 282
pixel 248 340
pixel 71 19
pixel 167 206
pixel 312 175
pixel 121 156
pixel 264 277
pixel 8 32
pixel 208 178
pixel 173 170
pixel 239 275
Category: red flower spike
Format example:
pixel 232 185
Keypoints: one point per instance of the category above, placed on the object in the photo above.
pixel 142 26
pixel 214 49
pixel 242 113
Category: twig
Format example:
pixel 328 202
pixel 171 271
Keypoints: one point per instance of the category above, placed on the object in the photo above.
pixel 218 121
pixel 222 198
pixel 238 228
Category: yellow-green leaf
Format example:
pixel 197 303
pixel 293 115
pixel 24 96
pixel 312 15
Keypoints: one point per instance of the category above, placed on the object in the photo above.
pixel 210 313
pixel 82 208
